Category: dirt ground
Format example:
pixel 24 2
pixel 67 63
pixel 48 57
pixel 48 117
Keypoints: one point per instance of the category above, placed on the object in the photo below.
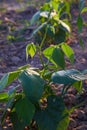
pixel 12 53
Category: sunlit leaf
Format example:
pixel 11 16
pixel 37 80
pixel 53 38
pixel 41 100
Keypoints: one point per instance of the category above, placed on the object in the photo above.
pixel 84 10
pixel 45 7
pixel 48 52
pixel 66 26
pixel 55 4
pixel 68 52
pixel 78 86
pixel 23 67
pixel 4 96
pixel 30 50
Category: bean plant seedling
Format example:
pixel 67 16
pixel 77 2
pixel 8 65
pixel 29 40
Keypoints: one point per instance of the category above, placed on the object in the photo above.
pixel 36 104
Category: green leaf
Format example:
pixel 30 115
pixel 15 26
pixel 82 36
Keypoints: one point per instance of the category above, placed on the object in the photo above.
pixel 58 57
pixel 50 31
pixel 48 52
pixel 4 96
pixel 64 76
pixel 68 52
pixel 25 111
pixel 80 23
pixel 35 17
pixel 47 74
pixel 30 50
pixel 81 4
pixel 55 116
pixel 39 28
pixel 55 4
pixel 8 78
pixel 60 36
pixel 67 77
pixel 17 124
pixel 33 85
pixel 84 10
pixel 55 55
pixel 45 7
pixel 78 86
pixel 66 26
pixel 23 67
pixel 12 90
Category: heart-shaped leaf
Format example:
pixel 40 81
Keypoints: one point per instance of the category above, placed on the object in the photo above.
pixel 33 85
pixel 25 110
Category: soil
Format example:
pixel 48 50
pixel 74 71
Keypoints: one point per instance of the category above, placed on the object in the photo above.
pixel 12 54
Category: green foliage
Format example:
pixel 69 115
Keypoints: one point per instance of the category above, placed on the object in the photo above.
pixel 4 97
pixel 68 76
pixel 54 116
pixel 55 55
pixel 84 10
pixel 28 106
pixel 80 21
pixel 25 112
pixel 17 124
pixel 68 52
pixel 8 78
pixel 58 57
pixel 33 85
pixel 53 17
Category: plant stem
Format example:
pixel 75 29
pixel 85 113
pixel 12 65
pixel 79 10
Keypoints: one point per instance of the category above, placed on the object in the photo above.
pixel 40 48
